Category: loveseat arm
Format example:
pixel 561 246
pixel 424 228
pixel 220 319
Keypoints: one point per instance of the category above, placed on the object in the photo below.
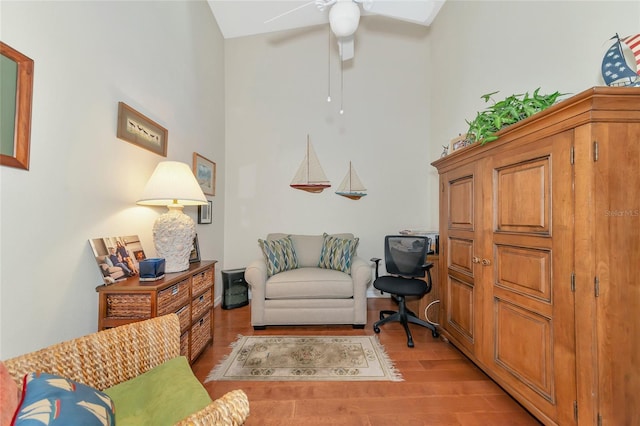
pixel 231 409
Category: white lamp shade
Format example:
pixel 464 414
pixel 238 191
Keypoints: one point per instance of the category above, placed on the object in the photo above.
pixel 344 17
pixel 172 182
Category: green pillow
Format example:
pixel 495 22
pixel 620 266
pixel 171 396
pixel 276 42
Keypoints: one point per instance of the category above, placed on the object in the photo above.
pixel 337 253
pixel 279 255
pixel 162 396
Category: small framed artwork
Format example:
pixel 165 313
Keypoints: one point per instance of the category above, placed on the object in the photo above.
pixel 139 130
pixel 195 251
pixel 459 142
pixel 205 172
pixel 16 93
pixel 204 213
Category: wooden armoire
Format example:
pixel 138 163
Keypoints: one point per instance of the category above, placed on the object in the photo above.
pixel 540 258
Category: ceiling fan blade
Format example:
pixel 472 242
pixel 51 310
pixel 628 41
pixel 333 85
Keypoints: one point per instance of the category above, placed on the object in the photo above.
pixel 416 11
pixel 290 11
pixel 346 47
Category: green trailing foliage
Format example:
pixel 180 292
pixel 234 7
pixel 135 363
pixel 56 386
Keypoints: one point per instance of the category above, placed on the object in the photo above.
pixel 506 112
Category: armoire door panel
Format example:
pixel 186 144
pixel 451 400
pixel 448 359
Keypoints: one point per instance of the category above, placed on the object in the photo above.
pixel 524 270
pixel 461 206
pixel 523 197
pixel 460 255
pixel 461 309
pixel 523 347
pixel 617 269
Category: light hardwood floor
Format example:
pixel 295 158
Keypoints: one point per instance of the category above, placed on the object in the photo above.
pixel 441 386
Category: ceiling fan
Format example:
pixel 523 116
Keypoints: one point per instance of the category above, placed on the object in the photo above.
pixel 344 16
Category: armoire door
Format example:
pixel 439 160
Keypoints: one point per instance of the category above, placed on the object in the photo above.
pixel 528 300
pixel 460 226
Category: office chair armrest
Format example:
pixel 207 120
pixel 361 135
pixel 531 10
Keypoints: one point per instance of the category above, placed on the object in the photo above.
pixel 377 261
pixel 427 266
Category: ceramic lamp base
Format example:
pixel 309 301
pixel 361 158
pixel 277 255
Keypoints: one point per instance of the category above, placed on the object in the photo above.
pixel 173 234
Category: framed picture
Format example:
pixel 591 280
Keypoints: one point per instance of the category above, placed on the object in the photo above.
pixel 16 91
pixel 205 213
pixel 117 258
pixel 139 130
pixel 459 142
pixel 195 251
pixel 205 172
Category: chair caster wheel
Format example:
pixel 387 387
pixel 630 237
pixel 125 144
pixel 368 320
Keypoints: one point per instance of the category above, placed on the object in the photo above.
pixel 435 334
pixel 376 329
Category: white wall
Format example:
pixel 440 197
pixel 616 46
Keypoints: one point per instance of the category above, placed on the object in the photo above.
pixel 481 47
pixel 408 91
pixel 164 59
pixel 277 88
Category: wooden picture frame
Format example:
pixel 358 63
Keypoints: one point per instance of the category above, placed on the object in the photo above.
pixel 140 130
pixel 458 143
pixel 205 173
pixel 195 251
pixel 16 89
pixel 205 215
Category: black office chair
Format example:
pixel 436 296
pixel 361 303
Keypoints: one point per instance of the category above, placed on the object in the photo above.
pixel 405 259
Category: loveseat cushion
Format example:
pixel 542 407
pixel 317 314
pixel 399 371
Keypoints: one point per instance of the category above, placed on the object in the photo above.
pixel 279 255
pixel 162 396
pixel 337 253
pixel 53 400
pixel 309 283
pixel 307 247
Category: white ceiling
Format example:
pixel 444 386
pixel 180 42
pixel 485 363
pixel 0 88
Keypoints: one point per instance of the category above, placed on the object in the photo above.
pixel 238 18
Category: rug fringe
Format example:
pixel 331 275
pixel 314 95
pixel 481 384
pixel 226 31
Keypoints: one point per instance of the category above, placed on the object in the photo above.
pixel 217 370
pixel 395 374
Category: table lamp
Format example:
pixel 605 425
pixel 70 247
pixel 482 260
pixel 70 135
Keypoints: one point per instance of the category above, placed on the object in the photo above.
pixel 172 184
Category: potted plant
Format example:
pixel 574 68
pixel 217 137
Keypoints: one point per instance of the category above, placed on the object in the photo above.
pixel 506 112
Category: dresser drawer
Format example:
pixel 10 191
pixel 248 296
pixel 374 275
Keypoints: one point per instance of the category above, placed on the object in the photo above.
pixel 128 305
pixel 200 335
pixel 201 281
pixel 184 344
pixel 201 303
pixel 184 315
pixel 172 298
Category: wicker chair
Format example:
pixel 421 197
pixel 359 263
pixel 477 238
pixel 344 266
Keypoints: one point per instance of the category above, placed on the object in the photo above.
pixel 113 356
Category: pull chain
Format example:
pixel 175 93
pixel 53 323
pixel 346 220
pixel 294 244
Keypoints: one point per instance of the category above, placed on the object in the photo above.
pixel 341 80
pixel 329 66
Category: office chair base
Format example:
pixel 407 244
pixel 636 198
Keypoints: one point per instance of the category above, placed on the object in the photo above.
pixel 404 320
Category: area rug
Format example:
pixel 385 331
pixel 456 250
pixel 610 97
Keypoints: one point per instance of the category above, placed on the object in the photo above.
pixel 306 358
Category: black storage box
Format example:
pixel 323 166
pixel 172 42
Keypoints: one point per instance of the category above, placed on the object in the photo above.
pixel 235 290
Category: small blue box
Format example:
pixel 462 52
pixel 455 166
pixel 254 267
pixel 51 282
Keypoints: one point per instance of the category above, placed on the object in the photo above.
pixel 151 269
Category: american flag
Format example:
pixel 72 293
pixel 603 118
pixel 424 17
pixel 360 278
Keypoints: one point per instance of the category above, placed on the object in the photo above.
pixel 633 42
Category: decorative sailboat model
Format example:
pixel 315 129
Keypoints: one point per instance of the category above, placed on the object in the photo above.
pixel 310 176
pixel 351 186
pixel 615 69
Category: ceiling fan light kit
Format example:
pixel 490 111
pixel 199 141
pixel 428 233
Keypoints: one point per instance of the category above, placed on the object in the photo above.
pixel 344 18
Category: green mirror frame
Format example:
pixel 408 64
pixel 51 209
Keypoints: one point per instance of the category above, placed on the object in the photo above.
pixel 17 94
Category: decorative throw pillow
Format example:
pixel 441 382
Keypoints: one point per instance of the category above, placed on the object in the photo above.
pixel 337 253
pixel 279 254
pixel 9 396
pixel 54 400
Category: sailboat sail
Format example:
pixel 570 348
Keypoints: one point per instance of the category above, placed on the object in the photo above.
pixel 351 186
pixel 615 70
pixel 310 177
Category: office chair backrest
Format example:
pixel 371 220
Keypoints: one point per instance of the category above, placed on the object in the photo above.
pixel 405 254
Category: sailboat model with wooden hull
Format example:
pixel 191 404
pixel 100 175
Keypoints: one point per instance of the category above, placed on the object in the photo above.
pixel 310 176
pixel 351 186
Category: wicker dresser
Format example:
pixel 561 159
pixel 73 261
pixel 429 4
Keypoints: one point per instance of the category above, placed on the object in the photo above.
pixel 189 294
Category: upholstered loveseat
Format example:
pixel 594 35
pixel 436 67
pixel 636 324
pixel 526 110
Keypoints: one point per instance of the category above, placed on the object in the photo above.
pixel 139 367
pixel 319 279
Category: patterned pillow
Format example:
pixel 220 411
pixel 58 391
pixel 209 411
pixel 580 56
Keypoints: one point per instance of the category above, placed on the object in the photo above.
pixel 54 400
pixel 279 254
pixel 337 253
